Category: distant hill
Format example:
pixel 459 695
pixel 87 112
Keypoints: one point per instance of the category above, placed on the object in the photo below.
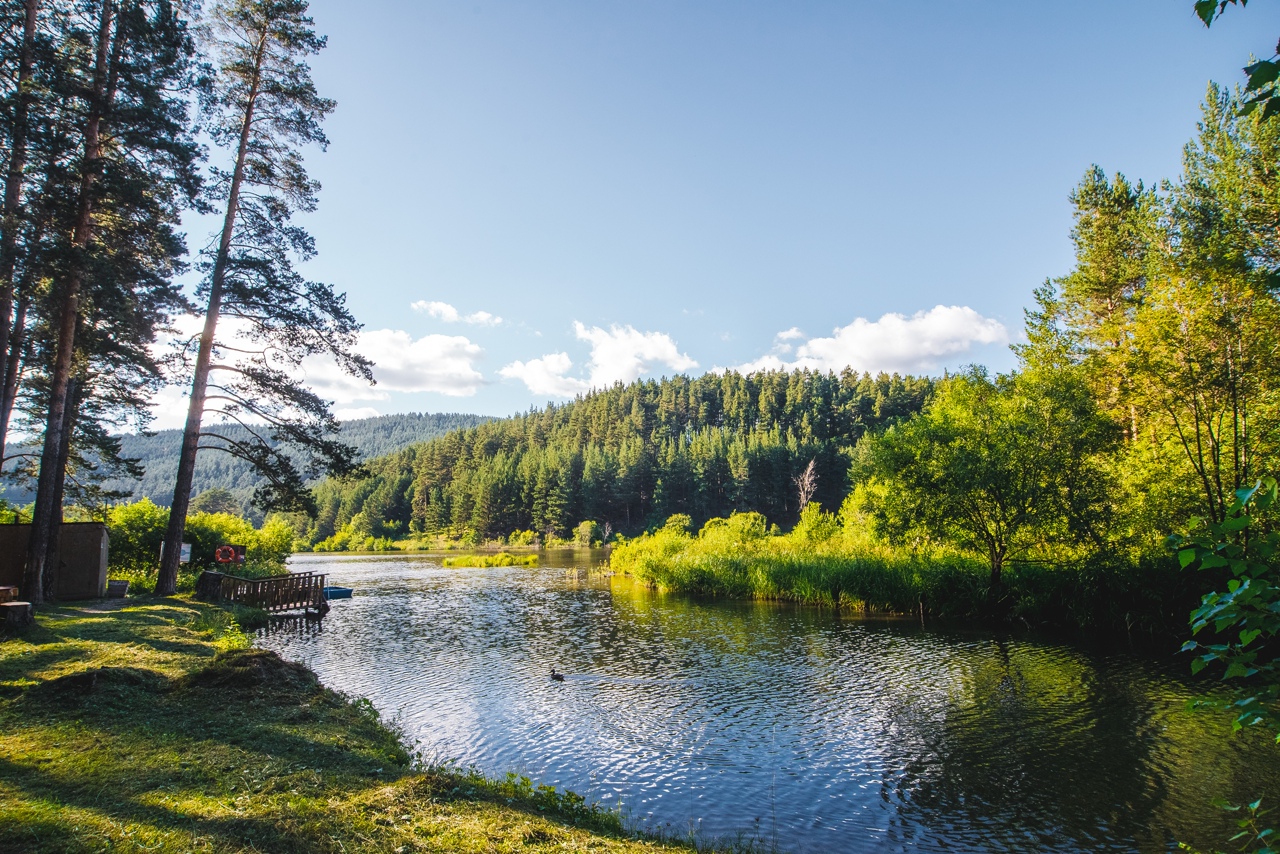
pixel 627 458
pixel 373 437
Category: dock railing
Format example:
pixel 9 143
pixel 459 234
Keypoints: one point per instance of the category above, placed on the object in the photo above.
pixel 301 590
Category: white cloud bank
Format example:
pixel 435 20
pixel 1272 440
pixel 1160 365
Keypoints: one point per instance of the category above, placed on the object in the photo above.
pixel 618 354
pixel 894 344
pixel 449 314
pixel 445 364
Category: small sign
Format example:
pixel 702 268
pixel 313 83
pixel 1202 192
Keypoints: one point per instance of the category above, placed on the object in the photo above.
pixel 184 553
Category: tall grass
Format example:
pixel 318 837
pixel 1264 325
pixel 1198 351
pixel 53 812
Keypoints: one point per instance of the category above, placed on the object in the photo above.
pixel 500 559
pixel 824 562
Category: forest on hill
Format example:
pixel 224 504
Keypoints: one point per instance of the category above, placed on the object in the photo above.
pixel 626 458
pixel 1147 395
pixel 157 455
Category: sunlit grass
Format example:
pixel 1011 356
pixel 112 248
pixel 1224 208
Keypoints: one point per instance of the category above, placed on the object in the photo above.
pixel 499 559
pixel 824 563
pixel 151 727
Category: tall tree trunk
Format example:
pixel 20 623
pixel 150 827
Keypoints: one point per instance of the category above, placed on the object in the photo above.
pixel 11 222
pixel 52 560
pixel 13 367
pixel 167 581
pixel 68 302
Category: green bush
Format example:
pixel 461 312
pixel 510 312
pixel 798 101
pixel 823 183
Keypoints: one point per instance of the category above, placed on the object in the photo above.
pixel 587 534
pixel 500 559
pixel 137 530
pixel 832 561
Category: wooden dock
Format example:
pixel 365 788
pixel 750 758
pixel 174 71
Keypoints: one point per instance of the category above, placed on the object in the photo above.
pixel 292 592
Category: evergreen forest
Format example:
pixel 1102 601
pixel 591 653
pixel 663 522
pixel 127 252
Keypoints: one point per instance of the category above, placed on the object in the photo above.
pixel 626 458
pixel 157 455
pixel 1146 395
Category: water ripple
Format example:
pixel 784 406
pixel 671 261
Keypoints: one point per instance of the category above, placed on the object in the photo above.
pixel 819 731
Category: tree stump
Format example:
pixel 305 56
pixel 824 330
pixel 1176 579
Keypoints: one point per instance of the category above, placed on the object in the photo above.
pixel 17 615
pixel 209 586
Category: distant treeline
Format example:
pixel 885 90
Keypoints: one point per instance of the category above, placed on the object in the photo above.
pixel 158 455
pixel 627 458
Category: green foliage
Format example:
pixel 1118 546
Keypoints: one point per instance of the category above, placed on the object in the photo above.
pixel 1253 837
pixel 522 538
pixel 588 534
pixel 499 559
pixel 626 458
pixel 1003 466
pixel 221 628
pixel 1262 76
pixel 136 531
pixel 1242 621
pixel 216 500
pixel 832 561
pixel 354 537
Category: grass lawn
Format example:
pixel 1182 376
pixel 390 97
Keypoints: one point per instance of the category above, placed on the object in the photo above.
pixel 151 727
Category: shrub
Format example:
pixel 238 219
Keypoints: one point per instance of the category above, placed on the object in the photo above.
pixel 137 530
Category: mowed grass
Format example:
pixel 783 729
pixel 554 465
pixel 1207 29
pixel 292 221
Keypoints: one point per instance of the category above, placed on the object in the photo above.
pixel 152 727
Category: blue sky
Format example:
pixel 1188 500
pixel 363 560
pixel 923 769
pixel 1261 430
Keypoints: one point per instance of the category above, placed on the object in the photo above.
pixel 523 200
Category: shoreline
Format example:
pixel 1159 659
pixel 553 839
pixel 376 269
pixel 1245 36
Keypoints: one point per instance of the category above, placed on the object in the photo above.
pixel 155 724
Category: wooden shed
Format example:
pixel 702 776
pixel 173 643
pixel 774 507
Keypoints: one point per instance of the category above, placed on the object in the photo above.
pixel 82 559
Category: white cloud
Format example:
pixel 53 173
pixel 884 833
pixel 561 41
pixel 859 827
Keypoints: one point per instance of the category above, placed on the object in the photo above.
pixel 440 310
pixel 169 405
pixel 618 354
pixel 789 334
pixel 894 343
pixel 449 314
pixel 444 364
pixel 547 375
pixel 623 353
pixel 483 318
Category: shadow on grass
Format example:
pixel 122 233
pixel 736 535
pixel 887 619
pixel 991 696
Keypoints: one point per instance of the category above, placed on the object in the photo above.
pixel 245 752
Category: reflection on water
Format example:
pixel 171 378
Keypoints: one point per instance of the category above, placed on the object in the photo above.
pixel 822 731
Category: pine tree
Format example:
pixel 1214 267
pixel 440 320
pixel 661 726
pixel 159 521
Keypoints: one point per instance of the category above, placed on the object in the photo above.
pixel 17 126
pixel 124 83
pixel 263 105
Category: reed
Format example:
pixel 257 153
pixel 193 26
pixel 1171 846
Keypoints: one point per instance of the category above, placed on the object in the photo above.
pixel 825 563
pixel 499 559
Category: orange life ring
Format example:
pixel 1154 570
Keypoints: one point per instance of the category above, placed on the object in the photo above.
pixel 225 554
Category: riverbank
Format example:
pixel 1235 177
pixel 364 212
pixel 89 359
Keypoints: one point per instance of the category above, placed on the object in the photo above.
pixel 153 725
pixel 820 563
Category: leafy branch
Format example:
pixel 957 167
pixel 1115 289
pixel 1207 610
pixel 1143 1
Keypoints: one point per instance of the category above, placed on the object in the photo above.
pixel 1261 87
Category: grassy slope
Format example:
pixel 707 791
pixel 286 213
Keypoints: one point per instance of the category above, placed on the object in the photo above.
pixel 128 729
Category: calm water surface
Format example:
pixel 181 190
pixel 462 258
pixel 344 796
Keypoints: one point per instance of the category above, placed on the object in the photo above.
pixel 824 732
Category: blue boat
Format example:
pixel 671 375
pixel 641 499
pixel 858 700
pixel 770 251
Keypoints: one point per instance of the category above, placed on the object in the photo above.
pixel 337 593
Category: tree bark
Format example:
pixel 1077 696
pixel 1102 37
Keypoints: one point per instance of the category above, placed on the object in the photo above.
pixel 167 581
pixel 13 368
pixel 52 561
pixel 68 301
pixel 11 222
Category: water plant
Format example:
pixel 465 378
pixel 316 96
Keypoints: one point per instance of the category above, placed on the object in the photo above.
pixel 499 559
pixel 833 561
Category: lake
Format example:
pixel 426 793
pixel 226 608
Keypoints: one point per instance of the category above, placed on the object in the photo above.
pixel 793 726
